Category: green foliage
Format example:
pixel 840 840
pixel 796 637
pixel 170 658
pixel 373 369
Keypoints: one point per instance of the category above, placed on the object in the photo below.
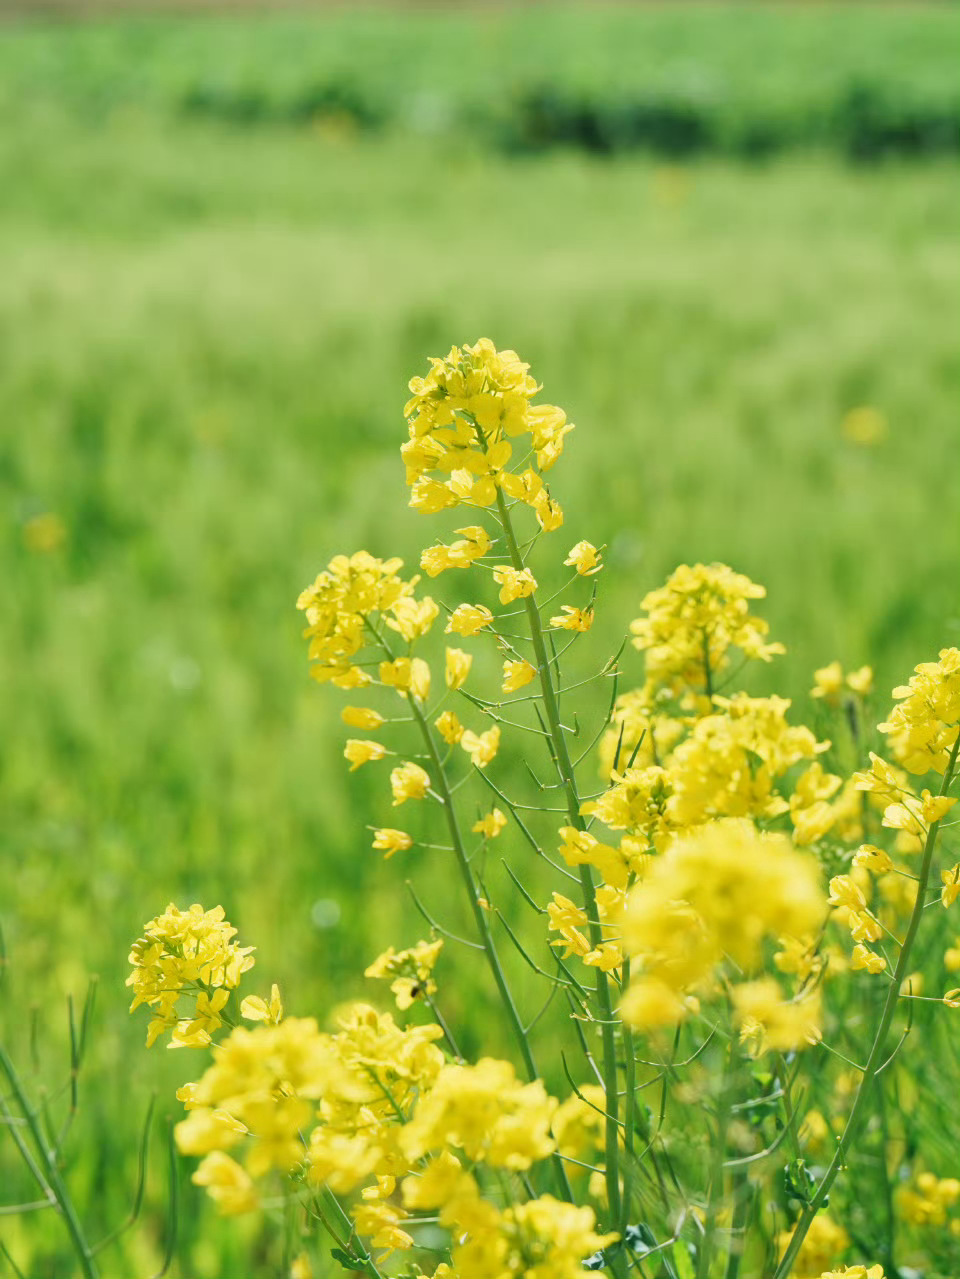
pixel 747 80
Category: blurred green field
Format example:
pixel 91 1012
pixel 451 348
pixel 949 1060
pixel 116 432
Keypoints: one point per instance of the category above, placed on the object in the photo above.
pixel 864 80
pixel 206 336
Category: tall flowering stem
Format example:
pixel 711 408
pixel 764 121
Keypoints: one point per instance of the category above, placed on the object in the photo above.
pixel 483 928
pixel 568 778
pixel 875 1060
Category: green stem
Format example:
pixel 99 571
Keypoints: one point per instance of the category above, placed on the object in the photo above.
pixel 51 1171
pixel 568 780
pixel 483 926
pixel 715 1190
pixel 875 1060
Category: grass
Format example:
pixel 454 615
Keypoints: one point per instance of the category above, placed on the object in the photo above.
pixel 207 335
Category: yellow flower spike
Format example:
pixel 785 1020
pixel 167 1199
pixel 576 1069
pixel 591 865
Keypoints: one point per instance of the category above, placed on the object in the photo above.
pixel 191 948
pixel 388 840
pixel 692 622
pixel 457 667
pixel 468 619
pixel 491 825
pixel 408 781
pixel 517 675
pixel 462 418
pixel 301 1268
pixel 585 558
pixel 923 727
pixel 360 751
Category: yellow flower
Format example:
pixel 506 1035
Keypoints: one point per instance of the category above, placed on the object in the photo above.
pixel 517 675
pixel 462 418
pixel 874 859
pixel 337 605
pixel 449 727
pixel 408 781
pixel 194 949
pixel 410 970
pixel 485 1111
pixel 854 1272
pixel 694 620
pixel 44 533
pixel 360 751
pixel 458 665
pixel 491 825
pixel 934 807
pixel 923 726
pixel 514 583
pixel 481 747
pixel 573 619
pixel 585 558
pixel 951 885
pixel 228 1185
pixel 468 619
pixel 361 717
pixel 253 1008
pixel 864 425
pixel 864 958
pixel 413 618
pixel 475 543
pixel 388 840
pixel 714 894
pixel 828 682
pixel 861 680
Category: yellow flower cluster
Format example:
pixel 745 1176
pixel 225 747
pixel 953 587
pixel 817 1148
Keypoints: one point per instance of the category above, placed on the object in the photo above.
pixel 372 1105
pixel 694 621
pixel 720 894
pixel 829 682
pixel 464 418
pixel 186 952
pixel 928 1200
pixel 824 1240
pixel 854 1272
pixel 411 971
pixel 339 605
pixel 923 727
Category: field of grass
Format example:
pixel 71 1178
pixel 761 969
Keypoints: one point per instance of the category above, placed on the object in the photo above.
pixel 745 79
pixel 206 336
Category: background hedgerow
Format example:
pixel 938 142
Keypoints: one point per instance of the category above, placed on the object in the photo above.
pixel 206 335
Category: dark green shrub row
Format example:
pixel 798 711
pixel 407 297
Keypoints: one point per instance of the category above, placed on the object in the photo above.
pixel 865 123
pixel 750 80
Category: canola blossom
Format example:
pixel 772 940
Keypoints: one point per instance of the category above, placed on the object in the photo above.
pixel 711 951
